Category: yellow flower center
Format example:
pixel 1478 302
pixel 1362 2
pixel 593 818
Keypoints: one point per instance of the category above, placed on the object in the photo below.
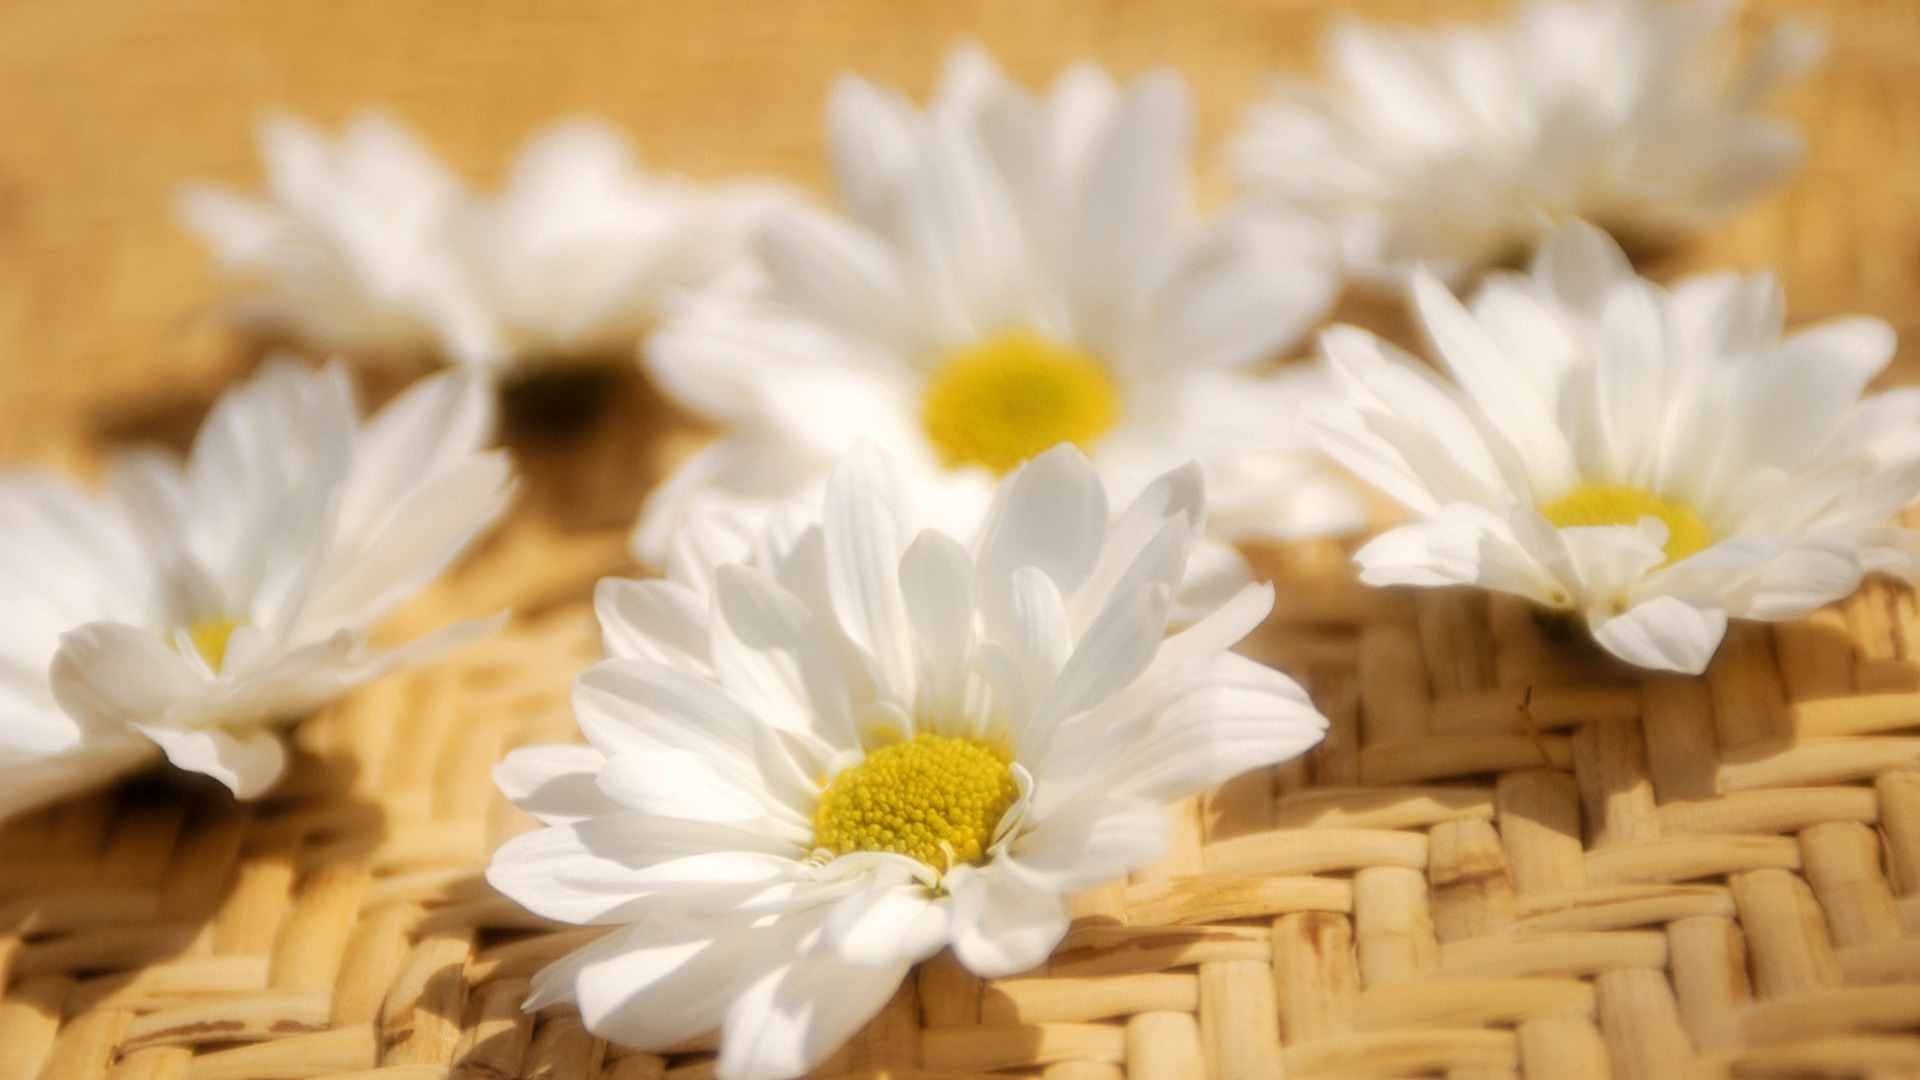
pixel 930 798
pixel 1009 398
pixel 1624 504
pixel 210 636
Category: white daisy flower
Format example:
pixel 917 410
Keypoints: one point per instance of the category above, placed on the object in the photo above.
pixel 348 251
pixel 1653 462
pixel 1011 274
pixel 871 744
pixel 192 612
pixel 1463 146
pixel 368 245
pixel 576 256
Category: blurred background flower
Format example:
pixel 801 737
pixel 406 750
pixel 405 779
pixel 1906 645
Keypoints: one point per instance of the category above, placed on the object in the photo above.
pixel 1461 146
pixel 366 245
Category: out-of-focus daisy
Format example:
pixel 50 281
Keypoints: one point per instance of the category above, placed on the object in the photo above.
pixel 1012 274
pixel 872 743
pixel 1463 146
pixel 575 257
pixel 369 246
pixel 1652 462
pixel 347 252
pixel 192 612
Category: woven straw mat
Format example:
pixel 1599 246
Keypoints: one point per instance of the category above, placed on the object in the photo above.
pixel 1509 858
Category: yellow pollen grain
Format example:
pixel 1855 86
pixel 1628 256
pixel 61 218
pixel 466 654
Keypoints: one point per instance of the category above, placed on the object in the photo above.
pixel 920 798
pixel 1007 399
pixel 1624 504
pixel 210 637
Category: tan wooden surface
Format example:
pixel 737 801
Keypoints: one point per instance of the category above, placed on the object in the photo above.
pixel 1510 858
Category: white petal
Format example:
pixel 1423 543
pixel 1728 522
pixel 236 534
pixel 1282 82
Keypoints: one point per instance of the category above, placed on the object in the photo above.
pixel 1630 388
pixel 64 561
pixel 1465 544
pixel 1581 266
pixel 1772 578
pixel 1051 514
pixel 840 274
pixel 787 1022
pixel 261 484
pixel 1116 648
pixel 663 621
pixel 661 981
pixel 1149 541
pixel 1207 723
pixel 1664 633
pixel 247 762
pixel 1596 565
pixel 970 81
pixel 636 706
pixel 31 725
pixel 1405 556
pixel 1483 370
pixel 148 485
pixel 1004 921
pixel 1093 841
pixel 1264 478
pixel 1042 639
pixel 1129 202
pixel 1005 680
pixel 671 782
pixel 436 424
pixel 1724 314
pixel 1012 128
pixel 1535 338
pixel 884 925
pixel 961 228
pixel 1223 626
pixel 237 228
pixel 1161 563
pixel 419 537
pixel 702 515
pixel 936 578
pixel 1080 107
pixel 1894 551
pixel 1608 562
pixel 867 518
pixel 372 663
pixel 554 783
pixel 623 704
pixel 1885 426
pixel 594 871
pixel 739 361
pixel 109 677
pixel 772 655
pixel 1802 395
pixel 1246 288
pixel 1402 428
pixel 1344 432
pixel 1214 574
pixel 870 129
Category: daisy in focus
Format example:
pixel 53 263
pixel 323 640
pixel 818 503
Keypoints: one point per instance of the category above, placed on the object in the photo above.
pixel 1010 274
pixel 1651 462
pixel 873 742
pixel 193 611
pixel 367 245
pixel 1463 146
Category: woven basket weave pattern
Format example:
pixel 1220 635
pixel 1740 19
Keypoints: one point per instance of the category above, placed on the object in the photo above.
pixel 1511 857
